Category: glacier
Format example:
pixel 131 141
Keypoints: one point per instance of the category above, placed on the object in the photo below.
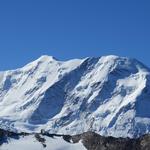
pixel 109 95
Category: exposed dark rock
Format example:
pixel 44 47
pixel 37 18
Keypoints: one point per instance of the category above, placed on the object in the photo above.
pixel 40 139
pixel 145 142
pixel 67 138
pixel 93 141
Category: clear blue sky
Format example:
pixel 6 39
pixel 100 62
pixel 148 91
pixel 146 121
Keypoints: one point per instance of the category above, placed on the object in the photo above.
pixel 73 28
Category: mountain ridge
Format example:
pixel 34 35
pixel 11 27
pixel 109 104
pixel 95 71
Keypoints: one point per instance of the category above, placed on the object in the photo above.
pixel 87 140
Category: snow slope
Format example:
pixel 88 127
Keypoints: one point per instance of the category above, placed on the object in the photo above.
pixel 30 143
pixel 109 94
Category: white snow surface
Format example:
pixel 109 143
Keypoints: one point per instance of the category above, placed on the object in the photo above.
pixel 30 143
pixel 109 95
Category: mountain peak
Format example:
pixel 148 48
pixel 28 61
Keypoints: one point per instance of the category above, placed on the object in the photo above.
pixel 47 57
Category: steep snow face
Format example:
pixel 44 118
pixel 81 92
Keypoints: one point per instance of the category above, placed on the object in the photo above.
pixel 110 95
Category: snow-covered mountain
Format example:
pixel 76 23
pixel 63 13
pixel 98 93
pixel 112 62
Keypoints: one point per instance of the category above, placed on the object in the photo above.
pixel 109 95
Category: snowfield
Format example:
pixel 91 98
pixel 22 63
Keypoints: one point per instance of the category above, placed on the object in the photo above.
pixel 109 95
pixel 30 143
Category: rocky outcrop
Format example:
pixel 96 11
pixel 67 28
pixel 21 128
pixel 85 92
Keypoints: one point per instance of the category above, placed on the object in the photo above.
pixel 93 141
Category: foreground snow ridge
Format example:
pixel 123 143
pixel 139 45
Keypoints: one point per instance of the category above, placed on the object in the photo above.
pixel 30 143
pixel 109 95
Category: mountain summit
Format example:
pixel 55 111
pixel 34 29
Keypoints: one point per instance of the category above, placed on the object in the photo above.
pixel 109 95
